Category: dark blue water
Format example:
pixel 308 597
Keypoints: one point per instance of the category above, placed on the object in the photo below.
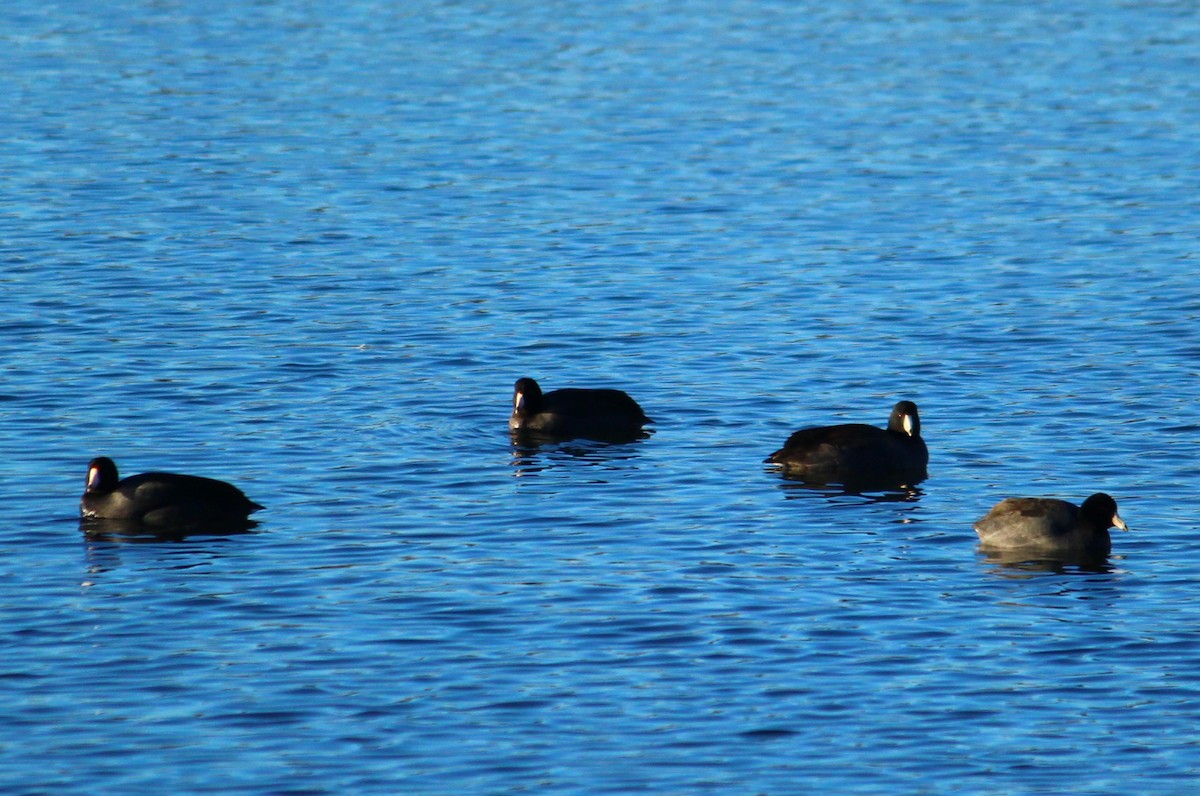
pixel 308 248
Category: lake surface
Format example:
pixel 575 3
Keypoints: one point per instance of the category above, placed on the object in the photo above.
pixel 308 248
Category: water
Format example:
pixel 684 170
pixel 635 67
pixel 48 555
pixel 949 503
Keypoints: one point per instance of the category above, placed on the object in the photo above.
pixel 308 249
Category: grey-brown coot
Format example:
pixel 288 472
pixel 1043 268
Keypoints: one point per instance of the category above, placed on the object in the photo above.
pixel 572 412
pixel 161 500
pixel 858 455
pixel 1051 526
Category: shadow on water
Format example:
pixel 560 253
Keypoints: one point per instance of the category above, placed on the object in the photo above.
pixel 125 531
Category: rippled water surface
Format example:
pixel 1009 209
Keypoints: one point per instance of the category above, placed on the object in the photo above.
pixel 308 249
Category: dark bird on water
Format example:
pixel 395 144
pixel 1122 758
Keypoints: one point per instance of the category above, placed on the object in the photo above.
pixel 1047 525
pixel 161 500
pixel 599 414
pixel 856 454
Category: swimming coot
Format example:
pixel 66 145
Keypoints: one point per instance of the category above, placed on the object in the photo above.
pixel 161 499
pixel 572 412
pixel 1051 526
pixel 855 454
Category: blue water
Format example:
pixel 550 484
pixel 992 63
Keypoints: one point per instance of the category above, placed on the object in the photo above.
pixel 307 248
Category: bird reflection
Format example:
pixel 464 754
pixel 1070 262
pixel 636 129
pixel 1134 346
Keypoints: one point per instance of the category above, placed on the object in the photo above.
pixel 797 488
pixel 532 454
pixel 1026 563
pixel 127 531
pixel 535 439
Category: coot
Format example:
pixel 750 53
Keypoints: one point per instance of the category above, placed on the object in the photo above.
pixel 161 499
pixel 855 454
pixel 1051 526
pixel 572 412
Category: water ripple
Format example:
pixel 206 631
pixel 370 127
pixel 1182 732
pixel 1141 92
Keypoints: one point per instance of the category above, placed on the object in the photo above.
pixel 233 251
